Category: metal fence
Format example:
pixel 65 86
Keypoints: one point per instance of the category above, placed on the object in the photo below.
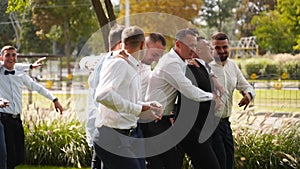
pixel 275 95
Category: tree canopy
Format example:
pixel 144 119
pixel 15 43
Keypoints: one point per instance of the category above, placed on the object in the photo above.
pixel 65 21
pixel 278 30
pixel 187 9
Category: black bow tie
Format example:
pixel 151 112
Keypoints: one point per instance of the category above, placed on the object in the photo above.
pixel 6 72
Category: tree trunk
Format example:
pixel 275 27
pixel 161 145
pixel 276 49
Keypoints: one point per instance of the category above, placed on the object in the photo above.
pixel 110 11
pixel 103 21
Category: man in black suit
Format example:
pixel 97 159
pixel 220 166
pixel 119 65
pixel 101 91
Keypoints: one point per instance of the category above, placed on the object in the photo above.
pixel 200 151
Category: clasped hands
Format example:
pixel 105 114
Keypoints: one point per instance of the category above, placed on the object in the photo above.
pixel 151 111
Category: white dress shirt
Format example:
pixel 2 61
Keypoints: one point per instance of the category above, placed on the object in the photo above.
pixel 231 78
pixel 118 92
pixel 145 73
pixel 92 106
pixel 11 89
pixel 167 78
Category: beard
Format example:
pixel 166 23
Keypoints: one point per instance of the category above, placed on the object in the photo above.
pixel 223 58
pixel 220 58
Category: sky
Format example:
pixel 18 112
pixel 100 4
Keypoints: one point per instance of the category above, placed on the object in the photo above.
pixel 115 2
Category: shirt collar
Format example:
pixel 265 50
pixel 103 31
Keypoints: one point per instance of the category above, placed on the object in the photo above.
pixel 2 69
pixel 172 52
pixel 201 61
pixel 132 61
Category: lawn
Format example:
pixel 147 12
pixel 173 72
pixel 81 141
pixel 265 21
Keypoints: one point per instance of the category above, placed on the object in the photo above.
pixel 266 100
pixel 273 101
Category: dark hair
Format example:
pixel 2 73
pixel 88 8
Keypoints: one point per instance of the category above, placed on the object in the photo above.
pixel 181 34
pixel 195 31
pixel 133 36
pixel 8 47
pixel 157 37
pixel 200 38
pixel 219 36
pixel 114 36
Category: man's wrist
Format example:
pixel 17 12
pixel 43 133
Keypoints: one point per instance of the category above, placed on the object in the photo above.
pixel 145 108
pixel 30 66
pixel 54 100
pixel 251 97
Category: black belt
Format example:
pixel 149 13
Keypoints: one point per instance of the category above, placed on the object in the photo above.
pixel 171 116
pixel 127 132
pixel 9 116
pixel 224 119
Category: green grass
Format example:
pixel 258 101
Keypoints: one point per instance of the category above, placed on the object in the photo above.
pixel 66 100
pixel 273 101
pixel 45 167
pixel 266 100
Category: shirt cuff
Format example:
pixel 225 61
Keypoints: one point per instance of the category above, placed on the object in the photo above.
pixel 137 108
pixel 252 95
pixel 210 96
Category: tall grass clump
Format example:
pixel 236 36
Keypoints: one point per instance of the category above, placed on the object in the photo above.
pixel 267 146
pixel 54 139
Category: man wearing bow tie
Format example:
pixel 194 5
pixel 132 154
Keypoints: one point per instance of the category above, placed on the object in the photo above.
pixel 11 84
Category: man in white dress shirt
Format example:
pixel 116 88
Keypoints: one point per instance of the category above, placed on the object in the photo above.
pixel 92 107
pixel 167 78
pixel 11 85
pixel 118 93
pixel 155 48
pixel 5 103
pixel 231 78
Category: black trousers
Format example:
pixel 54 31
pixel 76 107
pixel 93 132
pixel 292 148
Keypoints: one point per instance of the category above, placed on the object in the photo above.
pixel 223 144
pixel 202 155
pixel 171 159
pixel 96 162
pixel 123 156
pixel 14 139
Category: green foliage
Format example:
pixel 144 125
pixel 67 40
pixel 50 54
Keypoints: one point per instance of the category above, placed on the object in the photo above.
pixel 52 139
pixel 263 68
pixel 273 32
pixel 291 13
pixel 75 19
pixel 268 147
pixel 293 69
pixel 217 13
pixel 31 43
pixel 187 9
pixel 17 5
pixel 269 68
pixel 247 9
pixel 252 66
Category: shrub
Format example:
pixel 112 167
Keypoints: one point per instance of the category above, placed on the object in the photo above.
pixel 253 66
pixel 268 147
pixel 53 139
pixel 271 67
pixel 293 69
